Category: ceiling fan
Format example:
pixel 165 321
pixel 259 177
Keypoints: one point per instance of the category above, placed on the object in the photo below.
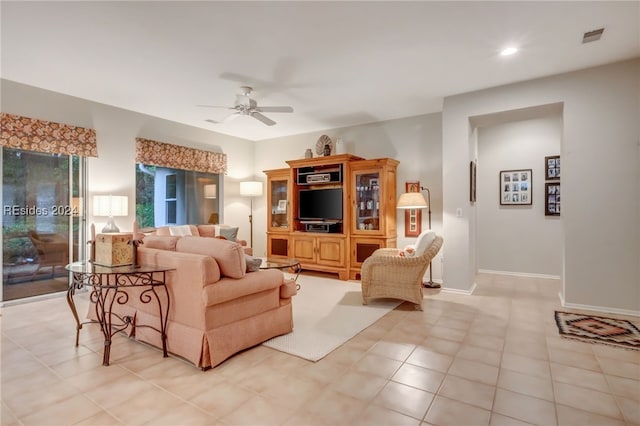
pixel 244 105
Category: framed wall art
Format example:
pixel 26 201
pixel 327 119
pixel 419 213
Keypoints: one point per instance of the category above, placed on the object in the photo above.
pixel 412 217
pixel 515 187
pixel 552 199
pixel 552 167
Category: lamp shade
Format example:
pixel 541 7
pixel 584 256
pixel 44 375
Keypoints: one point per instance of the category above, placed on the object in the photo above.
pixel 211 191
pixel 251 189
pixel 110 205
pixel 412 200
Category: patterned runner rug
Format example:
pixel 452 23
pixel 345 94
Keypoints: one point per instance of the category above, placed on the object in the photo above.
pixel 594 329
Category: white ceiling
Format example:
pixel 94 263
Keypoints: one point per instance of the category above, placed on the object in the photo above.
pixel 336 63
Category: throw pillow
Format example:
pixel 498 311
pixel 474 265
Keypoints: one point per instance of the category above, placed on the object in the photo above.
pixel 229 232
pixel 408 251
pixel 180 231
pixel 161 242
pixel 253 264
pixel 424 241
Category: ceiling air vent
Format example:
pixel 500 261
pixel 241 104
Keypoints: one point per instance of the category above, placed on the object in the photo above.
pixel 592 35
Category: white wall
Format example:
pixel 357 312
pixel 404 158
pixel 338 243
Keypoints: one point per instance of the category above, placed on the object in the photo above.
pixel 113 172
pixel 414 141
pixel 517 239
pixel 600 176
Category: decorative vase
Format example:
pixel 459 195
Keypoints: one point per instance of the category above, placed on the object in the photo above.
pixel 327 150
pixel 340 148
pixel 308 153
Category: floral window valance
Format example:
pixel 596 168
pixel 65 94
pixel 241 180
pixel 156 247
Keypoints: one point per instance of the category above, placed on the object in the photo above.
pixel 46 136
pixel 179 157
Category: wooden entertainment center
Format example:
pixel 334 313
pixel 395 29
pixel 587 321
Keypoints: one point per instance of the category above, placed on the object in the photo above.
pixel 322 234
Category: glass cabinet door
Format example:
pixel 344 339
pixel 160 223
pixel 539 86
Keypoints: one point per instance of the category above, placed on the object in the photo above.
pixel 279 204
pixel 367 201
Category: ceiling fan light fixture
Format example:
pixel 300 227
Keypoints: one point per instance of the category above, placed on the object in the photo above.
pixel 246 106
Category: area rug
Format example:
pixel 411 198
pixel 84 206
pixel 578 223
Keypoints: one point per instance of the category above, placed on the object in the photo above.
pixel 326 314
pixel 594 329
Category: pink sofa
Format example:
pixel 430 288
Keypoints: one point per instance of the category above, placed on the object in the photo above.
pixel 202 231
pixel 217 308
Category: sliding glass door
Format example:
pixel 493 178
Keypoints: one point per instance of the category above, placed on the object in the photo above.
pixel 42 221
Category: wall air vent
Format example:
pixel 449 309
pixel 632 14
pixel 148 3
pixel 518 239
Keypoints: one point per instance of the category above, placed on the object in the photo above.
pixel 594 35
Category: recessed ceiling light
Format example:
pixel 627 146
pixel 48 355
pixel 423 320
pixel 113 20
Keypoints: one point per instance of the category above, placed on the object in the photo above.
pixel 509 51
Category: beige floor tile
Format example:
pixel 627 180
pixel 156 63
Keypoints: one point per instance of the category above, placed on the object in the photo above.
pixel 393 350
pixel 259 411
pixel 68 411
pixel 481 340
pixel 526 365
pixel 376 415
pixel 630 409
pixel 615 367
pixel 579 377
pixel 346 357
pixel 429 359
pixel 293 390
pixel 363 386
pixel 143 407
pixel 558 342
pixel 331 407
pixel 569 416
pixel 189 386
pixel 586 399
pixel 607 351
pixel 418 377
pixel 479 354
pixel 526 384
pixel 324 371
pixel 222 399
pixel 378 365
pixel 624 387
pixel 574 359
pixel 445 411
pixel 500 420
pixel 404 399
pixel 475 371
pixel 443 346
pixel 472 393
pixel 97 377
pixel 101 419
pixel 389 370
pixel 448 333
pixel 525 408
pixel 119 391
pixel 532 350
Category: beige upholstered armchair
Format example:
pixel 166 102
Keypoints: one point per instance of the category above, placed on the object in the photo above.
pixel 386 273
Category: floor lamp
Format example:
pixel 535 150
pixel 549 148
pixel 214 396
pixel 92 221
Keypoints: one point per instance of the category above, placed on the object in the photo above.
pixel 415 200
pixel 251 189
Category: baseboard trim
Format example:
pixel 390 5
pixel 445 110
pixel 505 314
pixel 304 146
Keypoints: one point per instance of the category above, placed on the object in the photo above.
pixel 603 309
pixel 458 291
pixel 519 274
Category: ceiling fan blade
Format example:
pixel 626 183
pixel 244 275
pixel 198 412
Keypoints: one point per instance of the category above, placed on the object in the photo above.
pixel 215 106
pixel 275 109
pixel 224 120
pixel 264 119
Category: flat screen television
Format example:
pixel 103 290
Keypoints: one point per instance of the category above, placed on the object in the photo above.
pixel 320 204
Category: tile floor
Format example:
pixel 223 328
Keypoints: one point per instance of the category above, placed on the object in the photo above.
pixel 493 358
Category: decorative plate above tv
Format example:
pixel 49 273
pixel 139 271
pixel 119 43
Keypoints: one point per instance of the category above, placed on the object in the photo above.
pixel 322 141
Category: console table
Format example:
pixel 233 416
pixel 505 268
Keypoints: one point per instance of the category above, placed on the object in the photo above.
pixel 109 286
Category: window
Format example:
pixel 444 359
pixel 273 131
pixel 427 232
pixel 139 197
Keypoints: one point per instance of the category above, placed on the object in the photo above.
pixel 168 196
pixel 42 220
